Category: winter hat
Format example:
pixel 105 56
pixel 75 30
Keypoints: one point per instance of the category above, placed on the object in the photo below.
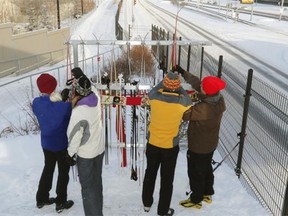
pixel 46 83
pixel 83 86
pixel 171 81
pixel 77 72
pixel 212 85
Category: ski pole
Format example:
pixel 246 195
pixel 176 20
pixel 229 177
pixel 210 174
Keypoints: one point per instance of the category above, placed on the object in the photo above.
pixel 219 163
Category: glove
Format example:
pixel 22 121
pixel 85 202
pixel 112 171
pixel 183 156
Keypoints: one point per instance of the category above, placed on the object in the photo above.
pixel 65 94
pixel 179 69
pixel 69 81
pixel 105 80
pixel 77 72
pixel 71 160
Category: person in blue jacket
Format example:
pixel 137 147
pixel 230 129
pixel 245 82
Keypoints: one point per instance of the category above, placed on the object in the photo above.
pixel 53 116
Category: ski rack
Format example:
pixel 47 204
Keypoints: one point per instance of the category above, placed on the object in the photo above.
pixel 108 98
pixel 123 100
pixel 75 44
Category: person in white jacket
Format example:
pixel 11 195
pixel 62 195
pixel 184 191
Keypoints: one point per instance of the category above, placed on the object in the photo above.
pixel 85 137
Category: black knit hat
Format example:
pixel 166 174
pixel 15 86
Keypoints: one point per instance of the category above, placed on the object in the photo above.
pixel 77 72
pixel 83 86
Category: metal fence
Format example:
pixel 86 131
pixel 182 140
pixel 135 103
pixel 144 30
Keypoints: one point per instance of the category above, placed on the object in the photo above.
pixel 264 161
pixel 25 64
pixel 265 155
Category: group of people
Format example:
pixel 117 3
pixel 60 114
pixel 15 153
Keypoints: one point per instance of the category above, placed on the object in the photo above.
pixel 169 105
pixel 71 133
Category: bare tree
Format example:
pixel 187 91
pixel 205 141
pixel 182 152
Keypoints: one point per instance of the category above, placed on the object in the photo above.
pixel 140 59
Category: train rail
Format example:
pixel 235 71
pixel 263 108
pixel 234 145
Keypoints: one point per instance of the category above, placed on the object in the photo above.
pixel 187 29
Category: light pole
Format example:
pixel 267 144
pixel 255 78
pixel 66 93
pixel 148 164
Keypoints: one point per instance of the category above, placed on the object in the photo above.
pixel 82 8
pixel 281 10
pixel 58 14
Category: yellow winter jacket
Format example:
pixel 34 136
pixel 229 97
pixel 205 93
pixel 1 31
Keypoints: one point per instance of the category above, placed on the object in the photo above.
pixel 167 110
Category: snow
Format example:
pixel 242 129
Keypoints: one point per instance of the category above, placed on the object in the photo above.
pixel 21 158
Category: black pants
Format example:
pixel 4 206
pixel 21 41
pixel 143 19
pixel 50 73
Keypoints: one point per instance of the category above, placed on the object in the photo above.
pixel 45 183
pixel 167 159
pixel 200 173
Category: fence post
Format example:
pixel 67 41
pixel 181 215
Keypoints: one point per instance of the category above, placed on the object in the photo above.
pixel 167 53
pixel 244 122
pixel 75 54
pixel 179 52
pixel 219 74
pixel 285 202
pixel 188 58
pixel 129 32
pixel 201 66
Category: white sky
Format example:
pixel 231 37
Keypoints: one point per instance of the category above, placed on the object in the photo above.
pixel 21 158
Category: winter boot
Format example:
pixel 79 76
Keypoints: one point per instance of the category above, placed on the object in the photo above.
pixel 48 202
pixel 207 199
pixel 66 205
pixel 189 204
pixel 169 213
pixel 184 201
pixel 147 209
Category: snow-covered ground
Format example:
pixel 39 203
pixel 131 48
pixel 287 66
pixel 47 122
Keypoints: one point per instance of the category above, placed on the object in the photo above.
pixel 21 158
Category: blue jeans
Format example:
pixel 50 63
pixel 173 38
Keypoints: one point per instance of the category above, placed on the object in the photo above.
pixel 90 175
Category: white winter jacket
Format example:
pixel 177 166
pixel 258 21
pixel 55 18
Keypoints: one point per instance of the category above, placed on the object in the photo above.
pixel 85 130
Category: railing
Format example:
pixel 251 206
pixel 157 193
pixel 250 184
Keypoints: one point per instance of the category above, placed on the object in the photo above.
pixel 265 156
pixel 264 159
pixel 22 65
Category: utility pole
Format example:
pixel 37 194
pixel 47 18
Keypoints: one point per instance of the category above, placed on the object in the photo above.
pixel 133 3
pixel 82 8
pixel 251 10
pixel 281 10
pixel 58 14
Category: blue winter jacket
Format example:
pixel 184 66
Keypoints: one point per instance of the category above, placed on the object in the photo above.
pixel 53 118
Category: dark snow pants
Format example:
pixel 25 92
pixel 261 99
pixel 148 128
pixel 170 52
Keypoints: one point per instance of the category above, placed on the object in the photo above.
pixel 90 176
pixel 167 159
pixel 45 183
pixel 200 173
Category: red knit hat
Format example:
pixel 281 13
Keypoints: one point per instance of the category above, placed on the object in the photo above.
pixel 212 85
pixel 46 83
pixel 171 81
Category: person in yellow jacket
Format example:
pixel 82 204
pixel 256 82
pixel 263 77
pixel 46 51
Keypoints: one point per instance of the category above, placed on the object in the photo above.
pixel 168 101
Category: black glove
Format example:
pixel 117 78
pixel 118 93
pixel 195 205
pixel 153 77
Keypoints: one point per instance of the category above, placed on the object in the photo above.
pixel 77 72
pixel 71 160
pixel 65 94
pixel 105 80
pixel 179 69
pixel 69 81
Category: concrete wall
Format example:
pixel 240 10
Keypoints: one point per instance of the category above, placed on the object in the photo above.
pixel 27 51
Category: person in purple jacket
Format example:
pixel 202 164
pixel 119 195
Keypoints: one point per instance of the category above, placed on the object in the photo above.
pixel 53 116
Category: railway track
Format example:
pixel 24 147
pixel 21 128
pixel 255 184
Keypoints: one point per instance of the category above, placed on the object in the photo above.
pixel 224 12
pixel 189 29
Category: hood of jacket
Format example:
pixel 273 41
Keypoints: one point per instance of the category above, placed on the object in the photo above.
pixel 91 100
